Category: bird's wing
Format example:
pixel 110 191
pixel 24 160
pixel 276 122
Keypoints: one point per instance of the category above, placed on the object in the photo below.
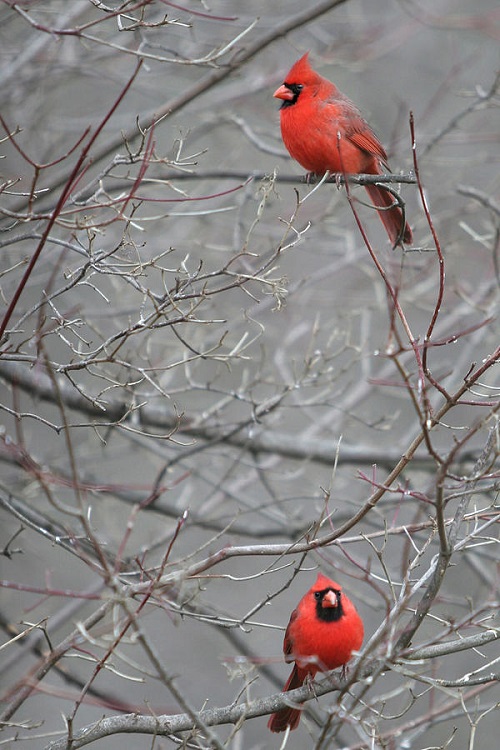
pixel 366 140
pixel 288 641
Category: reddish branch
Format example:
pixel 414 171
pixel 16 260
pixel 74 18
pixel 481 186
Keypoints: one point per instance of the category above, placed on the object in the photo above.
pixel 73 178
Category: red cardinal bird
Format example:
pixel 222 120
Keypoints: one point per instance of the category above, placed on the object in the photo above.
pixel 324 131
pixel 322 633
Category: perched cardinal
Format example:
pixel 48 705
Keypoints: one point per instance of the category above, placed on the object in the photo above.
pixel 324 131
pixel 322 633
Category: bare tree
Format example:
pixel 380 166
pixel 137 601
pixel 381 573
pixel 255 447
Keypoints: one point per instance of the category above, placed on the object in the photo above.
pixel 217 378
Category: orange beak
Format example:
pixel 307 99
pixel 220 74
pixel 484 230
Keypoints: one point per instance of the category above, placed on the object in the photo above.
pixel 330 600
pixel 284 93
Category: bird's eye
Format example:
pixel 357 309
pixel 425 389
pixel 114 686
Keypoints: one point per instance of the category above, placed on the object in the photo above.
pixel 317 594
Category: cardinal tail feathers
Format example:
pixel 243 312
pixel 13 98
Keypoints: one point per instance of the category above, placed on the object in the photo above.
pixel 287 717
pixel 392 218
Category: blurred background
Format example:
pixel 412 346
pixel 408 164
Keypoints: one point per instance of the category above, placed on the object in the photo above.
pixel 206 390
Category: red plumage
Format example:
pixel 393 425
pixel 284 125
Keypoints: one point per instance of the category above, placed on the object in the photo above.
pixel 323 631
pixel 324 131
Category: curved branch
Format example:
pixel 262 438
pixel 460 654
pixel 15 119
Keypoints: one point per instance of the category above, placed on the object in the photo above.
pixel 170 724
pixel 166 725
pixel 453 647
